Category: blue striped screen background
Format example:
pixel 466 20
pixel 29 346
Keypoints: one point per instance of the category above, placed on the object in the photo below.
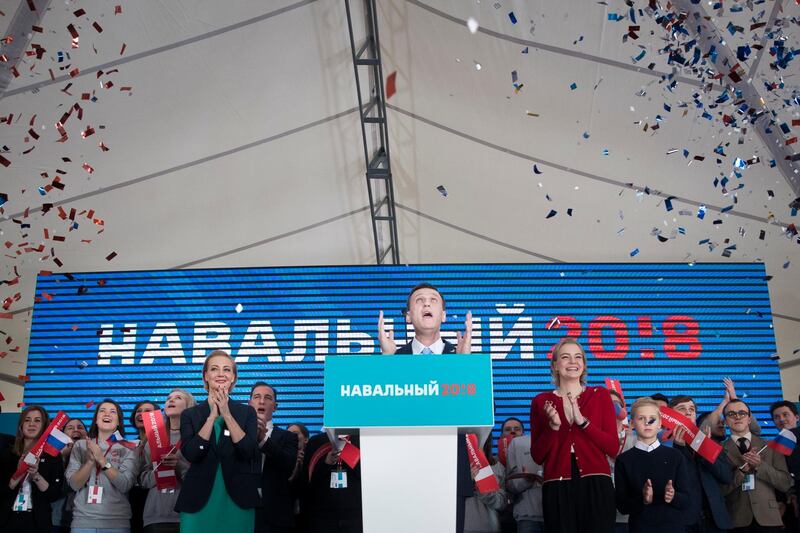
pixel 669 328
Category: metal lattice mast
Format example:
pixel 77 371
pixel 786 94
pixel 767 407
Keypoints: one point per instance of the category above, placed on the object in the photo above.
pixel 374 133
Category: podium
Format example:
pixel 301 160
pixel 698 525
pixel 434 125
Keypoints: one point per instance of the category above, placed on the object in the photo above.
pixel 409 411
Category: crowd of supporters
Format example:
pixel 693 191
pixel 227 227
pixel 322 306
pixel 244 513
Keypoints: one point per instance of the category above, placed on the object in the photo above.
pixel 590 463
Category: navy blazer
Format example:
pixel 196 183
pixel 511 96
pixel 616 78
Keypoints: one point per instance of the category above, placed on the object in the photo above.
pixel 50 468
pixel 241 463
pixel 712 476
pixel 280 457
pixel 449 348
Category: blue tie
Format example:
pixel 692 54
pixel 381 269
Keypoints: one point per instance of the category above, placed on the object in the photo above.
pixel 426 351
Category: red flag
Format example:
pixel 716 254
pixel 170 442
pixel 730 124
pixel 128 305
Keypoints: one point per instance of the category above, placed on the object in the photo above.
pixel 158 441
pixel 350 454
pixel 485 479
pixel 502 448
pixel 705 447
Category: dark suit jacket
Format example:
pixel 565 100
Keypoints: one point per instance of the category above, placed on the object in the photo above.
pixel 280 456
pixel 241 463
pixel 711 477
pixel 770 477
pixel 449 348
pixel 50 468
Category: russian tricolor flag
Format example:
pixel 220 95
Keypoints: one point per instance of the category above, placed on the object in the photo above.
pixel 784 443
pixel 119 439
pixel 56 441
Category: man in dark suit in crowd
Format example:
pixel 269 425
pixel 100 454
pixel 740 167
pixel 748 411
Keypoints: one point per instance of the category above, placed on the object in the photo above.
pixel 708 513
pixel 425 310
pixel 279 455
pixel 784 414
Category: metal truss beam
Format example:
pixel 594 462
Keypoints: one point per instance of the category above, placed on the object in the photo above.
pixel 374 130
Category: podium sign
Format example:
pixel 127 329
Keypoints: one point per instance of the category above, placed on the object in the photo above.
pixel 408 391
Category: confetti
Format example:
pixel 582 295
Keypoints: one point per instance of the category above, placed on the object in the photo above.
pixel 391 87
pixel 442 190
pixel 473 25
pixel 536 170
pixel 512 17
pixel 634 252
pixel 573 86
pixel 554 324
pixel 239 308
pixel 81 364
pixel 552 213
pixel 89 404
pixel 111 256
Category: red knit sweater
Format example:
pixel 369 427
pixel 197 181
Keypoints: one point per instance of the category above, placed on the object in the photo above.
pixel 552 448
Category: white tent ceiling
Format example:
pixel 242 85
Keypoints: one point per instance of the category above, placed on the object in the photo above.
pixel 236 142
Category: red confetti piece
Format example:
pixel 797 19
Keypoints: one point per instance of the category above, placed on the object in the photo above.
pixel 74 328
pixel 7 315
pixel 109 84
pixel 74 72
pixel 122 50
pixel 47 296
pixel 31 5
pixel 88 168
pixel 89 404
pixel 73 31
pixel 15 72
pixel 87 132
pixel 3 161
pixel 103 148
pixel 37 29
pixel 391 84
pixel 8 39
pixel 117 10
pixel 111 256
pixel 80 12
pixel 22 404
pixel 23 378
pixel 791 141
pixel 97 27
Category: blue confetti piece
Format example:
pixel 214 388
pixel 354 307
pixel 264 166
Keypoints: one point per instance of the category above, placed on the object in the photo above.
pixel 573 86
pixel 536 170
pixel 615 17
pixel 60 56
pixel 739 163
pixel 685 153
pixel 640 56
pixel 731 28
pixel 514 76
pixel 569 211
pixel 786 264
pixel 682 231
pixel 605 151
pixel 704 241
pixel 668 203
pixel 743 52
pixel 667 108
pixel 785 128
pixel 634 252
pixel 512 17
pixel 707 115
pixel 525 50
pixel 552 213
pixel 585 134
pixel 42 191
pixel 3 198
pixel 726 209
pixel 701 211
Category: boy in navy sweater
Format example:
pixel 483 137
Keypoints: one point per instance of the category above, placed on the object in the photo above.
pixel 651 481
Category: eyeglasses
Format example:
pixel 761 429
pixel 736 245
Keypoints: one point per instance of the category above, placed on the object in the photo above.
pixel 737 414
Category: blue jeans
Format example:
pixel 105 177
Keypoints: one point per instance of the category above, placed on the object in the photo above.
pixel 530 526
pixel 101 530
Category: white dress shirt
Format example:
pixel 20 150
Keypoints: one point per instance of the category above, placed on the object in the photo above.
pixel 647 447
pixel 437 347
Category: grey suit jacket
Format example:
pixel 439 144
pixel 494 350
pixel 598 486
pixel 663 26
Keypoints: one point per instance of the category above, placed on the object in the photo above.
pixel 759 503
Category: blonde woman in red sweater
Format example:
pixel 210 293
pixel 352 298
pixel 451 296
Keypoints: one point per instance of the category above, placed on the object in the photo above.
pixel 574 433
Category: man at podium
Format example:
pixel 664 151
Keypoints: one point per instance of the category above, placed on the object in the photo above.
pixel 425 310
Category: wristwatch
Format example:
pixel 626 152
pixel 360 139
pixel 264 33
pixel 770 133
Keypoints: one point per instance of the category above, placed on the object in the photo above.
pixel 106 466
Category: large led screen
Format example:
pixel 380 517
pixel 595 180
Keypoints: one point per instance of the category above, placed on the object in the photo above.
pixel 669 328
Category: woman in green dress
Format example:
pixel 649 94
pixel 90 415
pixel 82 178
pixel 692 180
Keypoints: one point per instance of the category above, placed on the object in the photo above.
pixel 218 438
